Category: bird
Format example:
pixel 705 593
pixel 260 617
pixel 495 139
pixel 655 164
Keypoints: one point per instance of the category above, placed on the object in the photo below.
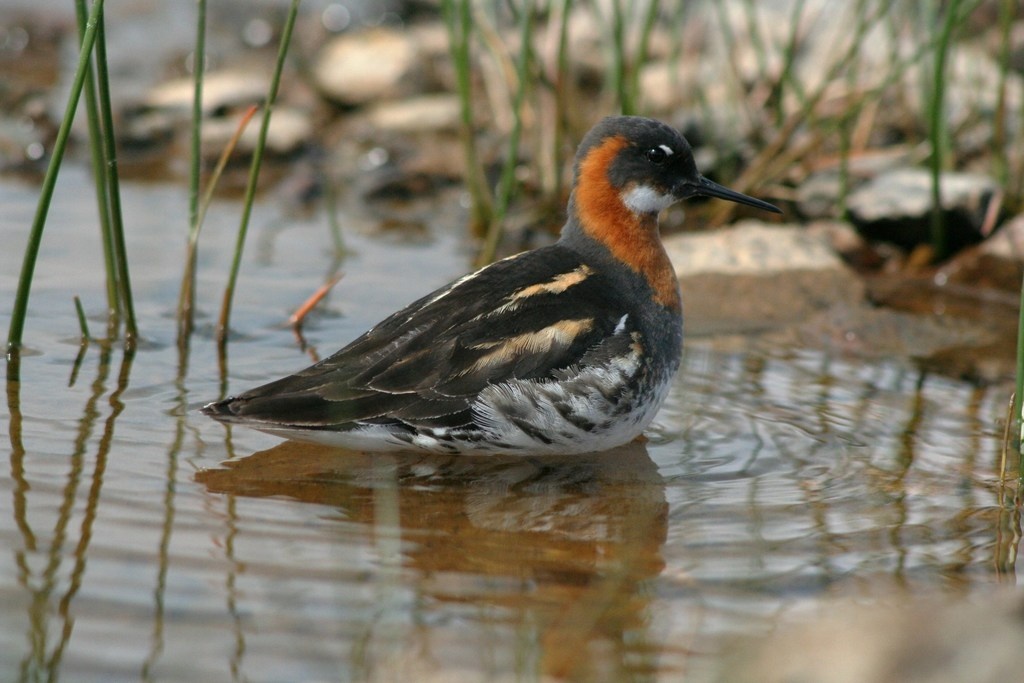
pixel 569 348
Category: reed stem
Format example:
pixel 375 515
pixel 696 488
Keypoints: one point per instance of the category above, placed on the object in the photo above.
pixel 17 327
pixel 646 29
pixel 618 67
pixel 186 299
pixel 998 148
pixel 83 323
pixel 99 174
pixel 458 20
pixel 113 184
pixel 254 174
pixel 937 130
pixel 506 184
pixel 562 84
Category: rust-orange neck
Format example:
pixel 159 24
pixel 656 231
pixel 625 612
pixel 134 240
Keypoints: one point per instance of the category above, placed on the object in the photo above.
pixel 632 238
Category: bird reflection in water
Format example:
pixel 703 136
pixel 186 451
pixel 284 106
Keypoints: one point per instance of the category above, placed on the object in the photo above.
pixel 562 543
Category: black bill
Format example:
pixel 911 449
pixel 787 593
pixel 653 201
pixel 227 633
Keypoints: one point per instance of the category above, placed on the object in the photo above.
pixel 708 188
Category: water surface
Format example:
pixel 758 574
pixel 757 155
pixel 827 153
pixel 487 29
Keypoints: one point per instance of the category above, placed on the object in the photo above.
pixel 143 541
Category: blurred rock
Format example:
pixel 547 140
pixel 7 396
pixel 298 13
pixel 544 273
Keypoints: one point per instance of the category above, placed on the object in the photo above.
pixel 166 111
pixel 368 66
pixel 659 83
pixel 411 170
pixel 895 206
pixel 398 150
pixel 845 241
pixel 752 276
pixel 141 127
pixel 30 54
pixel 290 128
pixel 997 262
pixel 914 642
pixel 424 114
pixel 228 89
pixel 949 344
pixel 962 331
pixel 932 295
pixel 817 195
pixel 30 62
pixel 25 138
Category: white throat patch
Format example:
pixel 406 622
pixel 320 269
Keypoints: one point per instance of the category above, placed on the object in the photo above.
pixel 645 199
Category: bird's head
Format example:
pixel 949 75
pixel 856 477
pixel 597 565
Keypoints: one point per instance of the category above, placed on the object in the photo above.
pixel 645 165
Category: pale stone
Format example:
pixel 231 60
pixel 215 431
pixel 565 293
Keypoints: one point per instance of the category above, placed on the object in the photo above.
pixel 756 276
pixel 359 68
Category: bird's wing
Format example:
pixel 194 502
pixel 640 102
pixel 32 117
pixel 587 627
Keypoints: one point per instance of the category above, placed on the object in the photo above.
pixel 531 316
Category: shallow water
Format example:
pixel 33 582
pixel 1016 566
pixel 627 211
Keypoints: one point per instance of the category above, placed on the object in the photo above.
pixel 145 542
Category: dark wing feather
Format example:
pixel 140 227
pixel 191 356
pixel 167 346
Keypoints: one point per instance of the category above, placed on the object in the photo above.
pixel 424 364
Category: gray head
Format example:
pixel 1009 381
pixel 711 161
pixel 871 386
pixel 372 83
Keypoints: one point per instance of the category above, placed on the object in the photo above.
pixel 649 164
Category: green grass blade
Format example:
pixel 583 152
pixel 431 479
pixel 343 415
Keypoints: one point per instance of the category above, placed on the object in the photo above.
pixel 646 29
pixel 17 328
pixel 562 86
pixel 195 141
pixel 98 173
pixel 458 21
pixel 999 148
pixel 937 130
pixel 254 173
pixel 114 189
pixel 186 298
pixel 956 13
pixel 617 72
pixel 506 184
pixel 83 323
pixel 787 75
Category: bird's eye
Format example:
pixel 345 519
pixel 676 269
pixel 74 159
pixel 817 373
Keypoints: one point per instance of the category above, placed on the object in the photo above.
pixel 656 155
